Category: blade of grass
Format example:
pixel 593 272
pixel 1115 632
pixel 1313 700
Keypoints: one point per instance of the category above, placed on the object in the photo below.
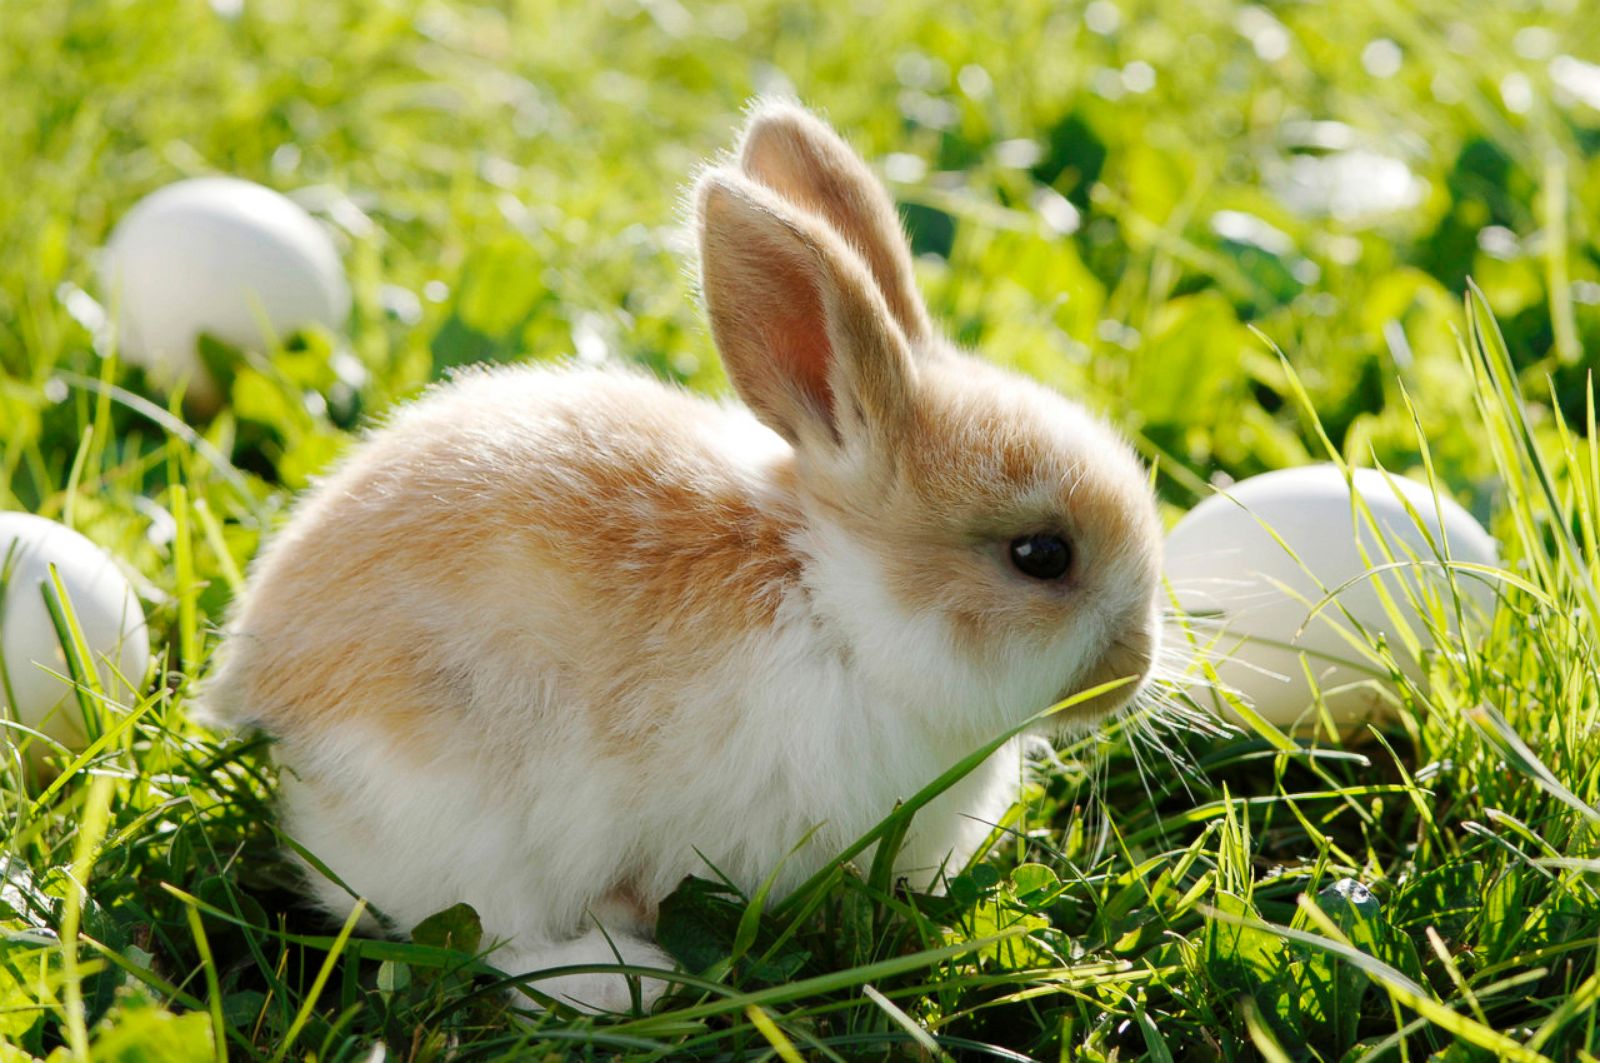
pixel 187 588
pixel 91 828
pixel 69 507
pixel 775 1037
pixel 1271 1051
pixel 75 648
pixel 827 983
pixel 1504 738
pixel 219 1028
pixel 922 1037
pixel 1490 344
pixel 1558 273
pixel 309 1005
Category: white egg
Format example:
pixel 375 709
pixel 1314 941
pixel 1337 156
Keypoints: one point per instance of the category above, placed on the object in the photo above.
pixel 1254 599
pixel 219 256
pixel 107 611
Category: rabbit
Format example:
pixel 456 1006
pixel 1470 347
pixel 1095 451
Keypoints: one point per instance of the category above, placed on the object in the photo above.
pixel 553 638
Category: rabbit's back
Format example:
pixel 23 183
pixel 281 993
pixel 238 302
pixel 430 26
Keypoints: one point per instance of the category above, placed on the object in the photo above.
pixel 521 526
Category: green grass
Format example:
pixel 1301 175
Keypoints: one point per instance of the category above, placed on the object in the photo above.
pixel 505 178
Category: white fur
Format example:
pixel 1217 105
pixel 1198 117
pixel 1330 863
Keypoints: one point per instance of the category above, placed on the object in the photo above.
pixel 820 742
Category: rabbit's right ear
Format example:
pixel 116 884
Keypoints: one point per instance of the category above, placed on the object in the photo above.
pixel 801 326
pixel 797 155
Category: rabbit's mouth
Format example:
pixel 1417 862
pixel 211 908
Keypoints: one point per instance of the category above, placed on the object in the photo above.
pixel 1126 662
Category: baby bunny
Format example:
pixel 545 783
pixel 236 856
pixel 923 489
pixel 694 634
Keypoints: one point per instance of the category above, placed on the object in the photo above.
pixel 551 634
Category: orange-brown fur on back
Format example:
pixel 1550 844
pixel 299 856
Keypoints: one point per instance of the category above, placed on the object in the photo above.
pixel 610 508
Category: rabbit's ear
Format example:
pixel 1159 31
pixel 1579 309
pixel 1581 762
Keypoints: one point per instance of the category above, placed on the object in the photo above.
pixel 802 328
pixel 797 155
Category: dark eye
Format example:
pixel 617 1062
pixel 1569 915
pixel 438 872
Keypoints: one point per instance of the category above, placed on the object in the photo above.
pixel 1041 556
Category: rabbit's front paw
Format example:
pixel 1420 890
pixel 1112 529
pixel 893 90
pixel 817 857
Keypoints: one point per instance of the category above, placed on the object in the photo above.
pixel 592 991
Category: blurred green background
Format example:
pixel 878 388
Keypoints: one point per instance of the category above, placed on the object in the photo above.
pixel 1108 195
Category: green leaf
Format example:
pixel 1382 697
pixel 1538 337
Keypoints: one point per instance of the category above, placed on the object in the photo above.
pixel 500 286
pixel 458 344
pixel 150 1035
pixel 1250 954
pixel 1332 990
pixel 700 921
pixel 1035 884
pixel 932 231
pixel 393 976
pixel 100 989
pixel 1353 909
pixel 1445 897
pixel 23 903
pixel 13 1053
pixel 962 891
pixel 258 398
pixel 697 923
pixel 1240 957
pixel 17 1007
pixel 222 893
pixel 457 927
pixel 243 1008
pixel 500 292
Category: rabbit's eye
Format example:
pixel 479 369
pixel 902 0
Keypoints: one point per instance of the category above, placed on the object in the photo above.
pixel 1041 556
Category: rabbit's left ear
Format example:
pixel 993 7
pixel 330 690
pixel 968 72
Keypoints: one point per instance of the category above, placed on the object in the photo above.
pixel 801 158
pixel 803 330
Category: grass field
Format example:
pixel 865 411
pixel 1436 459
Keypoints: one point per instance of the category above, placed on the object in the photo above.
pixel 1139 203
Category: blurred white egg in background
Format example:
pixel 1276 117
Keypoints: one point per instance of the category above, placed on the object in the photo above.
pixel 107 611
pixel 1356 186
pixel 1250 597
pixel 221 257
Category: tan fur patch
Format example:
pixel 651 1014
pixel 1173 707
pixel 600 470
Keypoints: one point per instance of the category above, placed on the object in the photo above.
pixel 595 537
pixel 627 903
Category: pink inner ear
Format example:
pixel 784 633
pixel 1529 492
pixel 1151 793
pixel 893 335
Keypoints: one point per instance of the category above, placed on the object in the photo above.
pixel 797 334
